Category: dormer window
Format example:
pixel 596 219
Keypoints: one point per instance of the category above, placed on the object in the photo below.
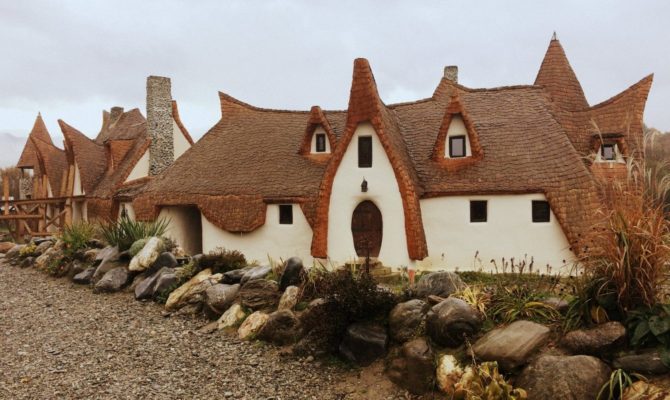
pixel 457 146
pixel 365 152
pixel 320 143
pixel 608 152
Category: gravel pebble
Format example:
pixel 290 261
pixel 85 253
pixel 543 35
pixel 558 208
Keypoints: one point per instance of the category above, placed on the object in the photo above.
pixel 59 340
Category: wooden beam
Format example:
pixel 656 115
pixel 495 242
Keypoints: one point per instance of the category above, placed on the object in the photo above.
pixel 20 216
pixel 5 192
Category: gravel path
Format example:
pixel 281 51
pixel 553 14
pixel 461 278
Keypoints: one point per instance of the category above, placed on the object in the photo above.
pixel 59 340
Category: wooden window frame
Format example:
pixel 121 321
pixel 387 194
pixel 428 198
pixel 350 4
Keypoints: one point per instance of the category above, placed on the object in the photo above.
pixel 320 143
pixel 451 147
pixel 473 211
pixel 534 212
pixel 364 160
pixel 286 214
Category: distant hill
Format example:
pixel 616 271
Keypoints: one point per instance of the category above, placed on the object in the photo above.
pixel 10 148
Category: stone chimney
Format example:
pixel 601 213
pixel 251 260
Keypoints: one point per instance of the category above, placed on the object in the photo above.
pixel 451 73
pixel 115 114
pixel 159 123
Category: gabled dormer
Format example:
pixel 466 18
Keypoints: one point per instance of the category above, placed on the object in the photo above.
pixel 609 148
pixel 457 142
pixel 319 139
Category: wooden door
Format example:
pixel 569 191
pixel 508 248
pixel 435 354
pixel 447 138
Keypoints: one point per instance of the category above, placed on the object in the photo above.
pixel 366 227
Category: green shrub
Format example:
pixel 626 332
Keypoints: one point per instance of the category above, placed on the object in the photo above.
pixel 619 380
pixel 58 267
pixel 221 260
pixel 76 236
pixel 137 246
pixel 124 232
pixel 650 326
pixel 28 250
pixel 509 304
pixel 484 381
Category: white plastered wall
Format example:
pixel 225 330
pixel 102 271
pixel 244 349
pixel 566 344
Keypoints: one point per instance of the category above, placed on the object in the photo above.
pixel 509 232
pixel 130 211
pixel 383 191
pixel 78 190
pixel 457 128
pixel 271 239
pixel 184 227
pixel 179 140
pixel 317 131
pixel 141 169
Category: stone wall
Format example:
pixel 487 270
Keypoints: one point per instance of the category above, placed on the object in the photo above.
pixel 26 187
pixel 159 123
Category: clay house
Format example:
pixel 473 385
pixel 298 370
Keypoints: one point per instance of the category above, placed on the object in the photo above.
pixel 457 179
pixel 96 179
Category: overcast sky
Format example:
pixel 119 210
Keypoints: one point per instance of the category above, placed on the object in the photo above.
pixel 71 59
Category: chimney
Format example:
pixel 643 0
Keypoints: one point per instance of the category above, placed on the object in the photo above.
pixel 115 114
pixel 159 124
pixel 451 73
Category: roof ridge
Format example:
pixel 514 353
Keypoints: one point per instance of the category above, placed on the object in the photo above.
pixel 647 80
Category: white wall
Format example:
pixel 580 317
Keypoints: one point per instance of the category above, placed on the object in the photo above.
pixel 319 130
pixel 78 190
pixel 184 227
pixel 273 239
pixel 130 211
pixel 141 169
pixel 509 232
pixel 382 190
pixel 179 140
pixel 457 128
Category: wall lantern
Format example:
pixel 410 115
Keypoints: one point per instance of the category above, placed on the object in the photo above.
pixel 364 186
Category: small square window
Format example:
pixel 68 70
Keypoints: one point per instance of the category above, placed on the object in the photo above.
pixel 320 143
pixel 365 152
pixel 286 214
pixel 608 152
pixel 456 146
pixel 541 211
pixel 478 211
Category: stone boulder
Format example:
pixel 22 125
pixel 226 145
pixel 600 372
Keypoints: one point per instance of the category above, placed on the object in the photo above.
pixel 293 273
pixel 646 363
pixel 109 253
pixel 147 288
pixel 255 273
pixel 6 246
pixel 14 252
pixel 232 317
pixel 112 281
pixel 449 373
pixel 560 304
pixel 260 294
pixel 442 284
pixel 90 255
pixel 413 368
pixel 43 247
pixel 407 320
pixel 363 343
pixel 84 277
pixel 107 259
pixel 595 341
pixel 234 276
pixel 192 291
pixel 27 262
pixel 563 377
pixel 50 255
pixel 449 322
pixel 220 297
pixel 281 328
pixel 252 325
pixel 512 345
pixel 165 281
pixel 289 298
pixel 165 260
pixel 642 390
pixel 146 257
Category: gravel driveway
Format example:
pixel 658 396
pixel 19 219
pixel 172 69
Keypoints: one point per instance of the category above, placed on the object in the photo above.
pixel 59 340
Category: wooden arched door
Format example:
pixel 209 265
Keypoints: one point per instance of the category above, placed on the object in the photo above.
pixel 366 227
